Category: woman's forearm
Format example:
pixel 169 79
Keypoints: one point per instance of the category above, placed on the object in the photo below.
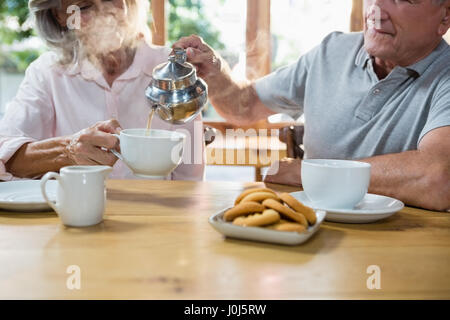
pixel 36 158
pixel 90 146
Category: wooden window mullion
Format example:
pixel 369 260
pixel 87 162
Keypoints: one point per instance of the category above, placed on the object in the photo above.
pixel 258 38
pixel 159 34
pixel 357 17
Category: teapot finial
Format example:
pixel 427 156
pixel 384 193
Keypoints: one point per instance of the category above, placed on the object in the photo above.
pixel 180 55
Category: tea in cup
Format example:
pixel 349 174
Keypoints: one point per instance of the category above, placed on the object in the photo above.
pixel 337 184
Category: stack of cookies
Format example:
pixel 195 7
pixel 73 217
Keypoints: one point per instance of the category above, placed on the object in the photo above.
pixel 263 207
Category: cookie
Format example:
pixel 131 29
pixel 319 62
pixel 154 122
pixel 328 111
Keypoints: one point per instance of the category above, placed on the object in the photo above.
pixel 248 191
pixel 243 209
pixel 285 211
pixel 288 226
pixel 308 212
pixel 260 196
pixel 268 216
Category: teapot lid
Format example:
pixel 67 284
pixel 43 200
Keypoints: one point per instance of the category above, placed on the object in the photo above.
pixel 175 74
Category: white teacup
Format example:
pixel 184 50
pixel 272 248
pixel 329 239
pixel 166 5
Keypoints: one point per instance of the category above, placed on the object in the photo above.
pixel 81 195
pixel 337 184
pixel 154 154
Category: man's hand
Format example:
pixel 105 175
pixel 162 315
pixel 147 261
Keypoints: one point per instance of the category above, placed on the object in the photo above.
pixel 202 56
pixel 287 171
pixel 91 146
pixel 237 102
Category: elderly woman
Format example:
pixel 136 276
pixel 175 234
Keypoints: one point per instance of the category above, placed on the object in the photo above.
pixel 90 85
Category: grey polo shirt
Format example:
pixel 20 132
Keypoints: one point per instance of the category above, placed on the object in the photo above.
pixel 349 112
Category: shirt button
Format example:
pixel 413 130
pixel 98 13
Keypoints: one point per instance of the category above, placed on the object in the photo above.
pixel 376 91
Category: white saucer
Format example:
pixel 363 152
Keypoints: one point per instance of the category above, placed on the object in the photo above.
pixel 262 234
pixel 372 208
pixel 25 195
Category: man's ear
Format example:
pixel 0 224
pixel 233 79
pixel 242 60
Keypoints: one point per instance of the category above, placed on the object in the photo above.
pixel 60 17
pixel 444 26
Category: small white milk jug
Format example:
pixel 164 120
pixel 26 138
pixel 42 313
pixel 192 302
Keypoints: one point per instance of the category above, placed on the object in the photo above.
pixel 81 195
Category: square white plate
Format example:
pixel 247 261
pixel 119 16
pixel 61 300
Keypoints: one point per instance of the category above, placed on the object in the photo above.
pixel 262 234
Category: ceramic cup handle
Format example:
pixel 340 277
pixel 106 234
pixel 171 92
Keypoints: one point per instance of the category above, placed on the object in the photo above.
pixel 114 152
pixel 44 179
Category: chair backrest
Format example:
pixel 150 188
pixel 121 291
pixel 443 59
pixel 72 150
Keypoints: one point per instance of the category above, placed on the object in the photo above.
pixel 210 134
pixel 293 137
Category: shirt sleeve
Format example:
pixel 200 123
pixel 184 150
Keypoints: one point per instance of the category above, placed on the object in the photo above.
pixel 439 115
pixel 29 117
pixel 283 91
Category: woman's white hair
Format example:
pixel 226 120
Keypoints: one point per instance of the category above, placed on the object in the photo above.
pixel 62 39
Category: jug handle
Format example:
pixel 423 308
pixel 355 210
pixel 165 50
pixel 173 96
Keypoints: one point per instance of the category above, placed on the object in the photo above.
pixel 44 180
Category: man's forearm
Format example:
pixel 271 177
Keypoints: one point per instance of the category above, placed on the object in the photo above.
pixel 36 158
pixel 235 101
pixel 415 177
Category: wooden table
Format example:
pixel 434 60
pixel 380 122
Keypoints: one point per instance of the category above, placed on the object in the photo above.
pixel 156 243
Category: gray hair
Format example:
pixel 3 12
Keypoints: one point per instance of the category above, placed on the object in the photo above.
pixel 55 36
pixel 63 40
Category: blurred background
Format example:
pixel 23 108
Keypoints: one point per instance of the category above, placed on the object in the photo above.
pixel 296 26
pixel 254 36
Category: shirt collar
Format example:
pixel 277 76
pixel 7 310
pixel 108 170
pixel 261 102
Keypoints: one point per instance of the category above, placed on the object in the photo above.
pixel 362 57
pixel 419 67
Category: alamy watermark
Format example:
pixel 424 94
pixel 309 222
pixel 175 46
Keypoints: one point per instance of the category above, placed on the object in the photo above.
pixel 74 19
pixel 374 280
pixel 254 147
pixel 73 281
pixel 373 14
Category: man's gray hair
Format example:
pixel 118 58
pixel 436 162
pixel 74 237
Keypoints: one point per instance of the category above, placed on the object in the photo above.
pixel 62 39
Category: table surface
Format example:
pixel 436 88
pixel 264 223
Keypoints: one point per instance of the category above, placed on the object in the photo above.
pixel 156 243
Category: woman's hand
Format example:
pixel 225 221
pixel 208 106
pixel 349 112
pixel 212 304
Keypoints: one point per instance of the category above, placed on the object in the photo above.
pixel 286 171
pixel 202 56
pixel 87 147
pixel 91 146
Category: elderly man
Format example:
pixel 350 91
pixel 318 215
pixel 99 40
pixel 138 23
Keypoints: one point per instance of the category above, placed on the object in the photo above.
pixel 382 96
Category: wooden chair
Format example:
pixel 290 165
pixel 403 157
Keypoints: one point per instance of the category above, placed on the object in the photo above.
pixel 292 136
pixel 248 149
pixel 210 134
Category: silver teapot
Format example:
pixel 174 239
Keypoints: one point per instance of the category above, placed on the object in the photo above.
pixel 175 92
